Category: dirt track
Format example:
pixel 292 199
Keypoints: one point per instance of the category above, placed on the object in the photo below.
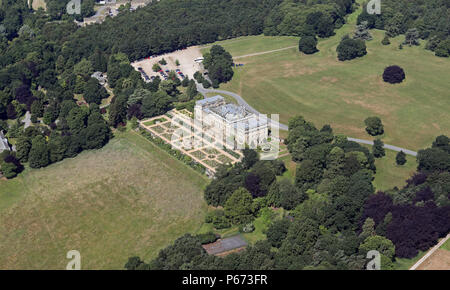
pixel 439 260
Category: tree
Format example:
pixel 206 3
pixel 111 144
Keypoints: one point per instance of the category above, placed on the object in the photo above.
pixel 393 74
pixel 308 173
pixel 219 63
pixel 374 126
pixel 37 109
pixel 185 82
pixel 23 146
pixel 118 110
pixel 277 232
pixel 156 67
pixel 350 48
pixel 228 179
pixel 182 252
pixel 400 159
pixel 433 159
pixel 362 31
pixel 84 69
pixel 133 263
pixel 155 104
pixel 57 148
pixel 218 219
pixel 191 91
pixel 10 166
pixel 76 120
pixel 386 40
pixel 307 44
pixel 378 148
pixel 284 194
pixel 250 158
pixel 94 92
pixel 169 87
pixel 442 142
pixel 9 170
pixel 380 244
pixel 412 37
pixel 443 48
pixel 368 229
pixel 39 155
pixel 238 208
pixel 163 61
pixel 97 135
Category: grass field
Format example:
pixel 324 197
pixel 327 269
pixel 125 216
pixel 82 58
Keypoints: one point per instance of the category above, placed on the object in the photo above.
pixel 342 94
pixel 389 174
pixel 129 198
pixel 253 44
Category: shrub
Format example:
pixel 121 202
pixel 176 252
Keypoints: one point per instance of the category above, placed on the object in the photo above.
pixel 248 228
pixel 351 48
pixel 443 48
pixel 163 61
pixel 385 40
pixel 374 126
pixel 393 74
pixel 207 238
pixel 400 159
pixel 277 232
pixel 378 148
pixel 307 44
pixel 218 219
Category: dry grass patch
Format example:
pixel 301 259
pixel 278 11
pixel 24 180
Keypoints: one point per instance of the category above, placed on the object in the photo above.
pixel 129 198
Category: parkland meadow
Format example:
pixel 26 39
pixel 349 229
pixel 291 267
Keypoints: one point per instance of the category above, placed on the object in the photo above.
pixel 129 198
pixel 342 94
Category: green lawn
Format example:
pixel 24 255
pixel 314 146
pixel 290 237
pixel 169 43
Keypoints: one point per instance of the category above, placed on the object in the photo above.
pixel 446 245
pixel 253 44
pixel 129 198
pixel 389 174
pixel 405 264
pixel 342 94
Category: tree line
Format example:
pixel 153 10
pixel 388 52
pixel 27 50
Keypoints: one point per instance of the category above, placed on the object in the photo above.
pixel 427 20
pixel 335 215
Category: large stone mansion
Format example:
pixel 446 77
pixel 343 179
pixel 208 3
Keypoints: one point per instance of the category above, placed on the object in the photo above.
pixel 234 125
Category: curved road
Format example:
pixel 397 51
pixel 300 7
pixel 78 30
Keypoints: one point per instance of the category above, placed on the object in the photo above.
pixel 243 103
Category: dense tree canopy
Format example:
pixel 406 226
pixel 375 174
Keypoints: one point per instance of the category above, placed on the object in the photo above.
pixel 218 62
pixel 417 19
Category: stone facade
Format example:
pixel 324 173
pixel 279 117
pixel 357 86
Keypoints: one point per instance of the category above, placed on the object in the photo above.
pixel 233 125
